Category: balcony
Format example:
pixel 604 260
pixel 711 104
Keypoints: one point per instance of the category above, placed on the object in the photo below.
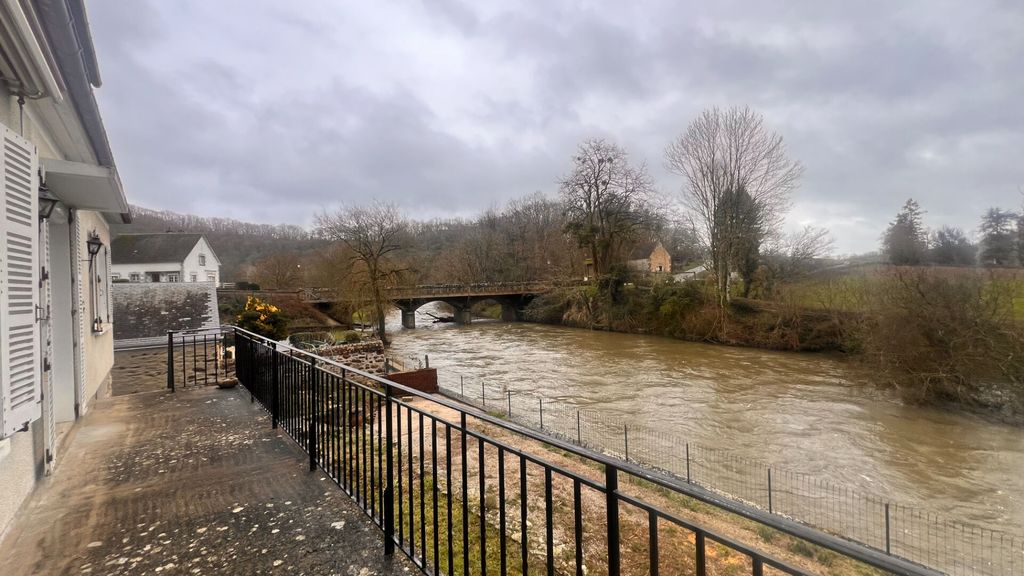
pixel 313 467
pixel 192 482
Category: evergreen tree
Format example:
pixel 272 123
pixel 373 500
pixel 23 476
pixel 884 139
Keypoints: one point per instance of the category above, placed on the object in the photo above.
pixel 950 247
pixel 999 246
pixel 905 241
pixel 1020 238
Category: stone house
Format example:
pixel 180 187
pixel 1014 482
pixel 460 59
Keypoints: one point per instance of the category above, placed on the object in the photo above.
pixel 164 257
pixel 60 188
pixel 651 257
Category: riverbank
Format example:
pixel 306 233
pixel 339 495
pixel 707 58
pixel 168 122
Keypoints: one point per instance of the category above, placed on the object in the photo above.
pixel 680 310
pixel 818 414
pixel 675 557
pixel 954 352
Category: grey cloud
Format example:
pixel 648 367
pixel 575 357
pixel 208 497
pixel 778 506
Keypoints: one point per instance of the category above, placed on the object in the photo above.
pixel 255 110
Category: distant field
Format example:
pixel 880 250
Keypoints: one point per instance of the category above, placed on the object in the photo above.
pixel 849 289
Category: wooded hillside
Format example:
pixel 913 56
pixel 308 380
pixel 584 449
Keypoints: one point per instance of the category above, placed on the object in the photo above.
pixel 238 244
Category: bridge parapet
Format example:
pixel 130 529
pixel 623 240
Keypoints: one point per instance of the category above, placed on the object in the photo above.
pixel 473 289
pixel 417 292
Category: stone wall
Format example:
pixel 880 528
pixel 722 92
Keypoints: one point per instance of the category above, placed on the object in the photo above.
pixel 365 356
pixel 145 312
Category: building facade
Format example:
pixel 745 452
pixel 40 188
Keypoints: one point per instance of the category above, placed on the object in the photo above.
pixel 60 188
pixel 656 259
pixel 166 257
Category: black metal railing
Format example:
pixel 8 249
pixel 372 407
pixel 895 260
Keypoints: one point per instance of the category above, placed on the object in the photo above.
pixel 200 357
pixel 912 533
pixel 460 491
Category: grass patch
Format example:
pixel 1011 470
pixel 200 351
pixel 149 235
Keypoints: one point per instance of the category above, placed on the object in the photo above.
pixel 413 519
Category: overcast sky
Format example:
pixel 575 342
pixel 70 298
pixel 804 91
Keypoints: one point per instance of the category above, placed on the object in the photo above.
pixel 271 111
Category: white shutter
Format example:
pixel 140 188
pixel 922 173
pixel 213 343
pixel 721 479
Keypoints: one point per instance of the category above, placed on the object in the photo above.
pixel 108 290
pixel 19 284
pixel 46 339
pixel 81 309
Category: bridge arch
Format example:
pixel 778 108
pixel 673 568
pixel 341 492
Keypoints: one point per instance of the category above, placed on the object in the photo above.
pixel 511 306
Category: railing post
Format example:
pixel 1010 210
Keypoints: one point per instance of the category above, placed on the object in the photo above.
pixel 258 372
pixel 170 361
pixel 275 414
pixel 579 430
pixel 312 416
pixel 426 361
pixel 702 565
pixel 389 490
pixel 770 509
pixel 509 403
pixel 687 462
pixel 462 385
pixel 888 544
pixel 483 394
pixel 625 436
pixel 611 487
pixel 540 403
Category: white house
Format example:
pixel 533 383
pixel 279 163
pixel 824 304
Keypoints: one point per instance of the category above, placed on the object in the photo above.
pixel 60 188
pixel 166 257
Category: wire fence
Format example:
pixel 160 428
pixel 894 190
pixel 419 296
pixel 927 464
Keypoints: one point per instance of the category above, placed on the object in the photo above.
pixel 911 533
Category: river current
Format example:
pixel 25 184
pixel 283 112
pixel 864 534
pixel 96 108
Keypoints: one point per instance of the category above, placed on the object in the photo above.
pixel 811 413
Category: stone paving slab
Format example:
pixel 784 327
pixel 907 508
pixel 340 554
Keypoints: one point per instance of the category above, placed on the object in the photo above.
pixel 195 482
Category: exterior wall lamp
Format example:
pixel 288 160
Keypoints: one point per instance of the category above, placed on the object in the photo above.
pixel 47 202
pixel 94 244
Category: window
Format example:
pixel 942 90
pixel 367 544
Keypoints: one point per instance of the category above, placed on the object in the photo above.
pixel 115 276
pixel 136 277
pixel 211 277
pixel 193 277
pixel 172 277
pixel 202 259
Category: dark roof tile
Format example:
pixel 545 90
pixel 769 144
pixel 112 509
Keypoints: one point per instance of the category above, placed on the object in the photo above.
pixel 144 248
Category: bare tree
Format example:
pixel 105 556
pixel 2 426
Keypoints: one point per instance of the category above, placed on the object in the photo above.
pixel 606 201
pixel 794 255
pixel 278 271
pixel 374 233
pixel 721 153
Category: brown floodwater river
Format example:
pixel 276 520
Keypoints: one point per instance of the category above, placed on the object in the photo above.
pixel 810 413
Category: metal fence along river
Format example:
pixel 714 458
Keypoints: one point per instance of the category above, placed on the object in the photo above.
pixel 908 532
pixel 461 491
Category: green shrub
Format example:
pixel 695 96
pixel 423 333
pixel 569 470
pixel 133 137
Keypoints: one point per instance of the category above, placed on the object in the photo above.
pixel 264 319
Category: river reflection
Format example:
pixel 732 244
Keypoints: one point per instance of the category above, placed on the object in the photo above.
pixel 811 413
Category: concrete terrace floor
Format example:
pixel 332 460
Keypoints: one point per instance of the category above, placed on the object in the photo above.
pixel 195 482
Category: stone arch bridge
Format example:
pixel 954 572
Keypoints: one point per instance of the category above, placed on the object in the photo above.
pixel 512 296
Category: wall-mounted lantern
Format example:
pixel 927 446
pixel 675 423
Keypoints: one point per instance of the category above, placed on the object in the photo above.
pixel 94 244
pixel 47 202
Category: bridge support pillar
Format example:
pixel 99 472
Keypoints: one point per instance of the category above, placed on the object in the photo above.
pixel 509 313
pixel 408 318
pixel 463 315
